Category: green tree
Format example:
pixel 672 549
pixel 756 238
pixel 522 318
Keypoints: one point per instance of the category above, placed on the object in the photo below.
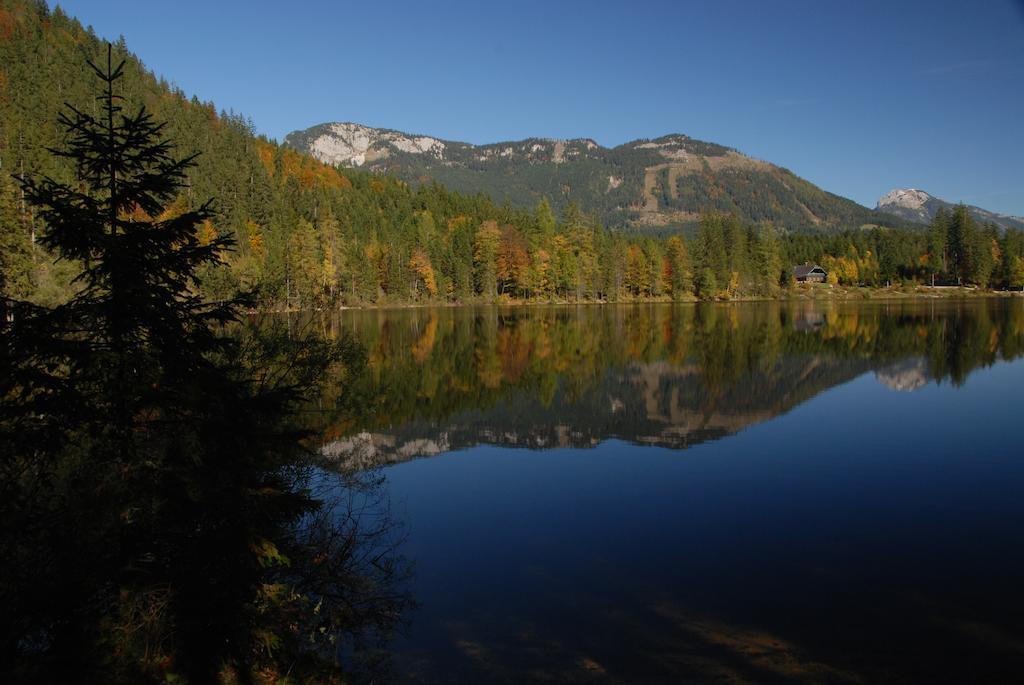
pixel 962 244
pixel 333 262
pixel 984 255
pixel 578 231
pixel 305 266
pixel 1012 254
pixel 543 226
pixel 710 254
pixel 769 260
pixel 150 481
pixel 485 258
pixel 736 247
pixel 938 239
pixel 707 284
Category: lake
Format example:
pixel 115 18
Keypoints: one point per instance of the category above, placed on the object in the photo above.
pixel 763 492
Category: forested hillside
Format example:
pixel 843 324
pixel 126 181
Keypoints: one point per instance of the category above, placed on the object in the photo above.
pixel 649 186
pixel 307 234
pixel 311 235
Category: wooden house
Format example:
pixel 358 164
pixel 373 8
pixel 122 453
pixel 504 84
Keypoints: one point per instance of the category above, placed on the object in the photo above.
pixel 809 273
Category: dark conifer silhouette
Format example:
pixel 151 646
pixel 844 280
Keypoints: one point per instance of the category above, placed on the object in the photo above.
pixel 157 485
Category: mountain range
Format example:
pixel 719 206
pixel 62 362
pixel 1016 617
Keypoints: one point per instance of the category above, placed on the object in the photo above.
pixel 659 185
pixel 917 205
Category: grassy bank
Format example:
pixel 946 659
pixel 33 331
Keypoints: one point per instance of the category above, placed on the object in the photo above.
pixel 801 292
pixel 824 291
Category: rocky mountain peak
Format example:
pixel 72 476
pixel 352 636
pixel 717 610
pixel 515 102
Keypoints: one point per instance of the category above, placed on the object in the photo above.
pixel 350 144
pixel 907 198
pixel 906 375
pixel 919 206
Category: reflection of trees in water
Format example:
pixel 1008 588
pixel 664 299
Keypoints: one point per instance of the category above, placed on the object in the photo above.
pixel 349 577
pixel 692 370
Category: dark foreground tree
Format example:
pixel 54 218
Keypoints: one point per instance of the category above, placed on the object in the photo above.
pixel 154 489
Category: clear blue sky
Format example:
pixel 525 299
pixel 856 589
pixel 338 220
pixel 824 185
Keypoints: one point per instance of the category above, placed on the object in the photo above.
pixel 858 97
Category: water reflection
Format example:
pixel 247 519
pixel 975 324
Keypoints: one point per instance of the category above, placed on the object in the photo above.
pixel 543 377
pixel 861 523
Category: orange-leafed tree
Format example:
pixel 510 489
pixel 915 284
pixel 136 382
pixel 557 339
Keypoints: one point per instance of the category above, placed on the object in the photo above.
pixel 513 259
pixel 638 277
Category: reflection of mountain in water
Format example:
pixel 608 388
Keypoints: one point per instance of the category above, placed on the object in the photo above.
pixel 653 404
pixel 541 378
pixel 905 376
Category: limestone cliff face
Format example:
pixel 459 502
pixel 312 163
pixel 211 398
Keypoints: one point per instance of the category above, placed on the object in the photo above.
pixel 354 145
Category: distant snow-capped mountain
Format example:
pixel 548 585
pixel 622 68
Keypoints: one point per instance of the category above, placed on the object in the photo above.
pixel 917 205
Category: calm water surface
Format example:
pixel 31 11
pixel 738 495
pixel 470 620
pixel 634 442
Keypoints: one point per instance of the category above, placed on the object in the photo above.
pixel 734 493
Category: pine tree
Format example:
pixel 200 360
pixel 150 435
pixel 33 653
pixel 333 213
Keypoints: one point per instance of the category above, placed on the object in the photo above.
pixel 542 227
pixel 962 243
pixel 680 280
pixel 710 255
pixel 485 256
pixel 333 258
pixel 938 238
pixel 736 246
pixel 149 480
pixel 1012 252
pixel 305 266
pixel 707 284
pixel 769 259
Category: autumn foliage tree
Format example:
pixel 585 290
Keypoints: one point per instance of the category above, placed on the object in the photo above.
pixel 677 268
pixel 512 261
pixel 424 271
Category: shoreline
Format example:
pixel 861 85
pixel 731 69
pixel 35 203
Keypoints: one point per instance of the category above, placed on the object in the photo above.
pixel 799 293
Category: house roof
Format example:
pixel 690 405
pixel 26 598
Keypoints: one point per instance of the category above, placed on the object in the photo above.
pixel 802 270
